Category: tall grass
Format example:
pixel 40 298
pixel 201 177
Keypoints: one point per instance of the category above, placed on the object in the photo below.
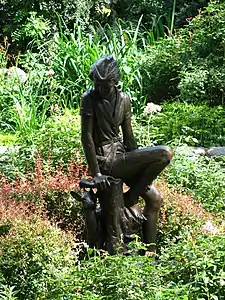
pixel 173 16
pixel 25 106
pixel 73 53
pixel 27 114
pixel 70 54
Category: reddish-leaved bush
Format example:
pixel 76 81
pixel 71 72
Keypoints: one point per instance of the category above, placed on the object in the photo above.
pixel 29 194
pixel 180 212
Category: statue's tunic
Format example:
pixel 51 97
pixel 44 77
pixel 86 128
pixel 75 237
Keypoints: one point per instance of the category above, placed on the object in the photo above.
pixel 106 124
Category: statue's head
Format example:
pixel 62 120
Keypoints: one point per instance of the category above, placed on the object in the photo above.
pixel 105 73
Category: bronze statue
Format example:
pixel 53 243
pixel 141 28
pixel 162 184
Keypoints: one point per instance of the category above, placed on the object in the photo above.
pixel 104 110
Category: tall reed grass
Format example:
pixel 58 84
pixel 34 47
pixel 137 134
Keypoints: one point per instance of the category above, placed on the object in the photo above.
pixel 73 53
pixel 69 55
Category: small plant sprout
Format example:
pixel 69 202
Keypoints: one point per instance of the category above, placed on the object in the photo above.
pixel 150 109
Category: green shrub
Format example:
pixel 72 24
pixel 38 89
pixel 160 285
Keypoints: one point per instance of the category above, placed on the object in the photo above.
pixel 202 84
pixel 202 78
pixel 193 85
pixel 197 262
pixel 34 255
pixel 58 72
pixel 8 139
pixel 25 103
pixel 66 212
pixel 133 9
pixel 59 138
pixel 34 31
pixel 190 63
pixel 178 123
pixel 120 277
pixel 205 33
pixel 44 188
pixel 7 292
pixel 160 69
pixel 203 177
pixel 15 15
pixel 58 143
pixel 189 269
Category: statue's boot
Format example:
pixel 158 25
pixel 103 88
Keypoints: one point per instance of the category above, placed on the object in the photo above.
pixel 153 202
pixel 150 230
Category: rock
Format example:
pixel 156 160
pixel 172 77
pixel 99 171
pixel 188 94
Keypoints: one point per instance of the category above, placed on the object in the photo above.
pixel 199 151
pixel 17 72
pixel 3 149
pixel 190 151
pixel 6 151
pixel 216 151
pixel 14 72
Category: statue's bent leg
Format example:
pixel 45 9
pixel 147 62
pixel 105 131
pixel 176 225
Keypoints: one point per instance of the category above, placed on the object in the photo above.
pixel 153 201
pixel 139 168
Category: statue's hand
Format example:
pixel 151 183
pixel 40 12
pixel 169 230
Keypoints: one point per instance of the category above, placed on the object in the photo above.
pixel 102 181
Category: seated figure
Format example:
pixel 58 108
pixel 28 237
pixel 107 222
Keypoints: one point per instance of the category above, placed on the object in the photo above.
pixel 104 110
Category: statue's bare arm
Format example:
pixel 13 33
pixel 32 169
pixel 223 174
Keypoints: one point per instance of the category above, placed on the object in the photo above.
pixel 100 180
pixel 128 136
pixel 88 143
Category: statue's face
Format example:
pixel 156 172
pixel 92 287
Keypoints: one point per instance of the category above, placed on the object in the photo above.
pixel 104 87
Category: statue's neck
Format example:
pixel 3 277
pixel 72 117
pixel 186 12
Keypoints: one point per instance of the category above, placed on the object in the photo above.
pixel 111 96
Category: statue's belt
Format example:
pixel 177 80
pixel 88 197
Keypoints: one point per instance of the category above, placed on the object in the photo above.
pixel 108 158
pixel 111 141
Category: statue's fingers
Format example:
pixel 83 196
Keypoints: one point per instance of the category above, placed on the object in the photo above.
pixel 110 178
pixel 107 183
pixel 103 184
pixel 99 186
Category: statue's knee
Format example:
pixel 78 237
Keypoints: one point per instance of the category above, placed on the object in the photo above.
pixel 166 155
pixel 153 200
pixel 157 203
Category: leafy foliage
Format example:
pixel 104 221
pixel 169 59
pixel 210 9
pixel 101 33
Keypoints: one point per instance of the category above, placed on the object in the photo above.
pixel 135 8
pixel 181 123
pixel 198 262
pixel 178 213
pixel 160 68
pixel 8 139
pixel 38 260
pixel 202 77
pixel 202 177
pixel 59 138
pixel 176 275
pixel 34 255
pixel 25 103
pixel 35 30
pixel 188 64
pixel 15 15
pixel 7 292
pixel 118 277
pixel 44 189
pixel 73 53
pixel 21 21
pixel 57 142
